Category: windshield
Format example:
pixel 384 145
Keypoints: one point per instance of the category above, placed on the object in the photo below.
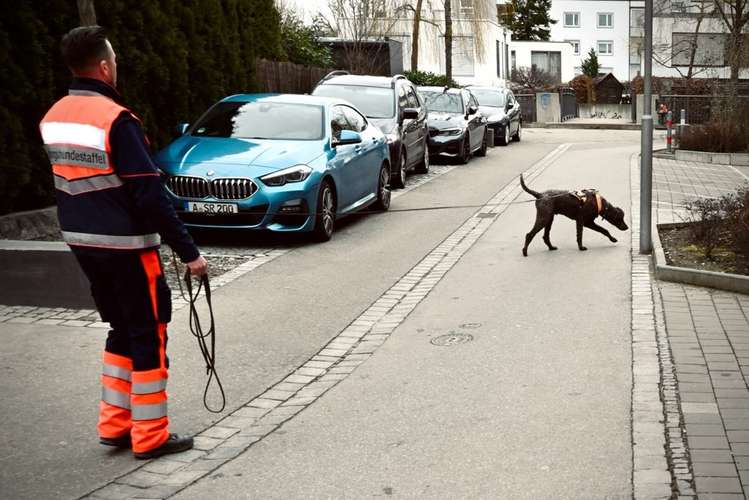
pixel 443 103
pixel 374 102
pixel 489 98
pixel 262 120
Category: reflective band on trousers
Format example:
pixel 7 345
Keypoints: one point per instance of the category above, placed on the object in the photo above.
pixel 149 412
pixel 148 387
pixel 87 185
pixel 116 372
pixel 115 398
pixel 111 241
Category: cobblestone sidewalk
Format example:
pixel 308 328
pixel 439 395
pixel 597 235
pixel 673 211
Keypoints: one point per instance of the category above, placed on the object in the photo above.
pixel 708 338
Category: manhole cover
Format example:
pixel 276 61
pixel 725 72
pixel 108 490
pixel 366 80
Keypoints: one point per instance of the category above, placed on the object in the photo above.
pixel 452 339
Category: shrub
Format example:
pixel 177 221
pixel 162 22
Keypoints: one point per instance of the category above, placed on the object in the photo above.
pixel 715 137
pixel 532 78
pixel 709 218
pixel 584 90
pixel 429 79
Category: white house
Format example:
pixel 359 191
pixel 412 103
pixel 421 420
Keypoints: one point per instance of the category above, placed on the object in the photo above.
pixel 556 58
pixel 602 25
pixel 480 43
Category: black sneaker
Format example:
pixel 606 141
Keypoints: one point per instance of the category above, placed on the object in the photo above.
pixel 123 441
pixel 174 444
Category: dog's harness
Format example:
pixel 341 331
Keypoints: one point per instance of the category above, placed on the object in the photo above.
pixel 583 197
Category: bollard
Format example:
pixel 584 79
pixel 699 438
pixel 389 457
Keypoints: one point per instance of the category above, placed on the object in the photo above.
pixel 682 125
pixel 490 137
pixel 669 131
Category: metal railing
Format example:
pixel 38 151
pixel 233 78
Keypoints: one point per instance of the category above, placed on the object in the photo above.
pixel 699 109
pixel 568 104
pixel 527 107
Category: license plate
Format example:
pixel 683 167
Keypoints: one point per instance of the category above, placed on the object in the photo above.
pixel 212 208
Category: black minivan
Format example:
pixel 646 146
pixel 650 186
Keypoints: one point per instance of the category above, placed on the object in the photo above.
pixel 392 104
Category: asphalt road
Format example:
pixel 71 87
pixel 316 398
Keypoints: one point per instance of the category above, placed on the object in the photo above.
pixel 537 406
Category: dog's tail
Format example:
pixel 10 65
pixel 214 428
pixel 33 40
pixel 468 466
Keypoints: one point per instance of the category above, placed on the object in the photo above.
pixel 536 194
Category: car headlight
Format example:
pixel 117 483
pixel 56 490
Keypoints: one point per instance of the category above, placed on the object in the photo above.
pixel 297 173
pixel 451 131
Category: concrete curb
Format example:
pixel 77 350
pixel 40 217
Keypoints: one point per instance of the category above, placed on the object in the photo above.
pixel 665 272
pixel 588 126
pixel 736 159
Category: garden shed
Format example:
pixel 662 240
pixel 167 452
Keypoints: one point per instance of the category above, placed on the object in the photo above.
pixel 608 89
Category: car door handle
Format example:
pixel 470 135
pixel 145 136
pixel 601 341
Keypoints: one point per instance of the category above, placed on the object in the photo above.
pixel 357 149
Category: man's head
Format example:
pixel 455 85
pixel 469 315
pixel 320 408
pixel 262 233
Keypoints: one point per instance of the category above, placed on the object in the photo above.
pixel 88 53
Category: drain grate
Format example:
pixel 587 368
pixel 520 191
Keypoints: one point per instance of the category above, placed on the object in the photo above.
pixel 451 339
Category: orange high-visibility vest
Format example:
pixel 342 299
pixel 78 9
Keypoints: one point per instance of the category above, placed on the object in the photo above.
pixel 76 133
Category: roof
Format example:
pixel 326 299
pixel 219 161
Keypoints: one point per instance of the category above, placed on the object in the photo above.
pixel 439 89
pixel 600 79
pixel 362 80
pixel 283 98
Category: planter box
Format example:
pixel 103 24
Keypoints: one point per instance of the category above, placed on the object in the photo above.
pixel 740 159
pixel 721 158
pixel 697 156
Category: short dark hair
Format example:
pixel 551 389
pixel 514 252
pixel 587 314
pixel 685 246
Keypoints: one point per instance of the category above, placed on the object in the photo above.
pixel 83 47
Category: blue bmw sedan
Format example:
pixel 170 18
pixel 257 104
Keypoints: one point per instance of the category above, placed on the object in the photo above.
pixel 284 163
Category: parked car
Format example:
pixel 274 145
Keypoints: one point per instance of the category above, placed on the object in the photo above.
pixel 395 107
pixel 502 111
pixel 284 163
pixel 456 128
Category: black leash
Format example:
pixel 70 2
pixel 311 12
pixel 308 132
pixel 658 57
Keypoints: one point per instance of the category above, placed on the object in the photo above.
pixel 196 328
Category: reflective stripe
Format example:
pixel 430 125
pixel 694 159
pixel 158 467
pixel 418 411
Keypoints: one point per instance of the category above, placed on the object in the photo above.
pixel 115 398
pixel 88 184
pixel 116 372
pixel 148 387
pixel 112 241
pixel 149 412
pixel 74 133
pixel 89 93
pixel 80 156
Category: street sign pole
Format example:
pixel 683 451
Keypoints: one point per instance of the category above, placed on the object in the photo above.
pixel 646 140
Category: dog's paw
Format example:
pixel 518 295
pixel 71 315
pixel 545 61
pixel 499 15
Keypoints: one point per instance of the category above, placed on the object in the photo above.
pixel 525 252
pixel 613 240
pixel 552 248
pixel 582 249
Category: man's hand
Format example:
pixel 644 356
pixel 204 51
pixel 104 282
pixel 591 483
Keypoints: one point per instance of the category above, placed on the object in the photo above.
pixel 198 267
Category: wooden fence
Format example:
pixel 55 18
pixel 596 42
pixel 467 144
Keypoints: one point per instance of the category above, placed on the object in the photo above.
pixel 286 77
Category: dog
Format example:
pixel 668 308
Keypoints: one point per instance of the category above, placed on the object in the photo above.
pixel 583 207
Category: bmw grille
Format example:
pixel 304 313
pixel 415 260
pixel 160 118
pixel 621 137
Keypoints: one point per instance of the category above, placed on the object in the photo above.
pixel 221 189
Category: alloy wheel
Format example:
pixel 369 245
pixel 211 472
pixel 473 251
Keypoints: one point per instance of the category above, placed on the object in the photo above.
pixel 384 194
pixel 328 210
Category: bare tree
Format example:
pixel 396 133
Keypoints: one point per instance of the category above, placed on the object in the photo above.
pixel 415 33
pixel 86 12
pixel 735 15
pixel 448 40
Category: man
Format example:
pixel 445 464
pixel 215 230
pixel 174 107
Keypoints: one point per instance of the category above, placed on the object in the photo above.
pixel 113 211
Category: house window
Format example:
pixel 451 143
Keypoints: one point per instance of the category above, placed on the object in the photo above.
pixel 571 19
pixel 575 46
pixel 605 20
pixel 605 48
pixel 709 49
pixel 549 62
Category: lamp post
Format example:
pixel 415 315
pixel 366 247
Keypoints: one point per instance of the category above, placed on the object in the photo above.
pixel 646 139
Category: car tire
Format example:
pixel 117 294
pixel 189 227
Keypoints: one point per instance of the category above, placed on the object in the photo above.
pixel 325 214
pixel 383 189
pixel 465 150
pixel 423 167
pixel 504 139
pixel 398 181
pixel 484 145
pixel 516 137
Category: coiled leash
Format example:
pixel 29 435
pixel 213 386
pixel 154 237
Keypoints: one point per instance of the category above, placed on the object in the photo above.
pixel 204 338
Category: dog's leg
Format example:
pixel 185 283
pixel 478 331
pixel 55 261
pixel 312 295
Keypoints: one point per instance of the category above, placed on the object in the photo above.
pixel 547 230
pixel 579 222
pixel 541 222
pixel 595 227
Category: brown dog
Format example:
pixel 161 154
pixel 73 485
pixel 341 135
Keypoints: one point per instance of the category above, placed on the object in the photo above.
pixel 583 207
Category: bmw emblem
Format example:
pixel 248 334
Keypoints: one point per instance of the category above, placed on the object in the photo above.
pixel 210 173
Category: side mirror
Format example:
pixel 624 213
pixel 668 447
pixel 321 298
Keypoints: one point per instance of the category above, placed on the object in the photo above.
pixel 409 114
pixel 472 110
pixel 182 128
pixel 347 137
pixel 508 106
